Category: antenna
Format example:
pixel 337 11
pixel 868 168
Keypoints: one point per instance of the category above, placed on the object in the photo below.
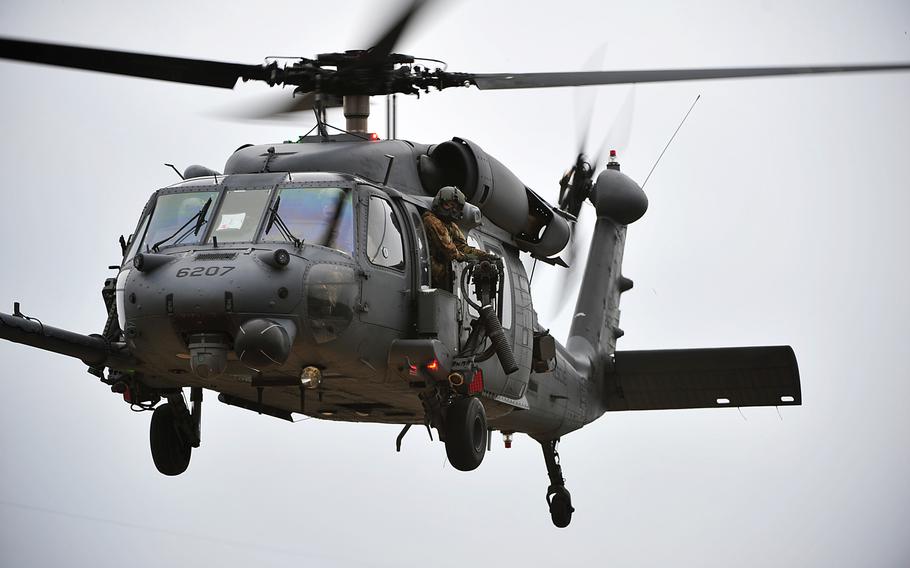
pixel 670 141
pixel 173 167
pixel 388 170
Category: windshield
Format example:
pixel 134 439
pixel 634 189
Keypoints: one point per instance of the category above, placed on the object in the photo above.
pixel 310 213
pixel 173 211
pixel 239 216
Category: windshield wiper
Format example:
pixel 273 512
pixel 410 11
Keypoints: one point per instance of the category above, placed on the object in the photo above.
pixel 198 217
pixel 275 218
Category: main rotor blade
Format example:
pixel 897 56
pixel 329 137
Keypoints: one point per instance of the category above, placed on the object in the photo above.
pixel 582 78
pixel 176 69
pixel 620 131
pixel 386 43
pixel 585 100
pixel 275 107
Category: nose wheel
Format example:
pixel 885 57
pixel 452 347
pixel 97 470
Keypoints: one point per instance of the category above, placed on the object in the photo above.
pixel 558 497
pixel 174 432
pixel 466 433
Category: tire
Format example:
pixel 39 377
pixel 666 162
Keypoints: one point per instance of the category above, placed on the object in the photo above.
pixel 561 508
pixel 170 452
pixel 466 434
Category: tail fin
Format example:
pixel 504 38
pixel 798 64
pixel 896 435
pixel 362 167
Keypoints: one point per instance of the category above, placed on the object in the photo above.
pixel 619 201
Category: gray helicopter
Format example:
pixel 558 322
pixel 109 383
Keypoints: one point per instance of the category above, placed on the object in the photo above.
pixel 297 279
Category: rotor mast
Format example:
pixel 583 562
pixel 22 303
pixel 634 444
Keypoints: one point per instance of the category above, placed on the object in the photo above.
pixel 356 113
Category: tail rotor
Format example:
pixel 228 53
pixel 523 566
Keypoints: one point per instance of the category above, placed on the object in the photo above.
pixel 577 183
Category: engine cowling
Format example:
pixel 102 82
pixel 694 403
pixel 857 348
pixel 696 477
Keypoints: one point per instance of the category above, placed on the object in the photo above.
pixel 500 195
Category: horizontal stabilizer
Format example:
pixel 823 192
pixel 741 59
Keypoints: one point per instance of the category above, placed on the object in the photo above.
pixel 703 378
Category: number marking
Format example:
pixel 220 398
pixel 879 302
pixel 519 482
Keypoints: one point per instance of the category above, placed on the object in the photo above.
pixel 202 271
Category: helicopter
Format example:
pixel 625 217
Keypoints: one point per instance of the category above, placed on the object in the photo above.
pixel 150 359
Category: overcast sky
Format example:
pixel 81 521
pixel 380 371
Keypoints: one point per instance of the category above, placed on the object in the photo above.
pixel 778 216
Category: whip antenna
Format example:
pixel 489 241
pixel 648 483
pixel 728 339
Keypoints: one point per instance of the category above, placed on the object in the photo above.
pixel 670 141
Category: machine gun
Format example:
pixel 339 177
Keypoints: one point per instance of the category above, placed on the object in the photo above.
pixel 487 277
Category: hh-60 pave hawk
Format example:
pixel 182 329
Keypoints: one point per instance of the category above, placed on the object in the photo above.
pixel 298 280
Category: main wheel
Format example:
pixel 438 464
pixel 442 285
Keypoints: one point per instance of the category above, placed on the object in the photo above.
pixel 561 507
pixel 170 452
pixel 466 434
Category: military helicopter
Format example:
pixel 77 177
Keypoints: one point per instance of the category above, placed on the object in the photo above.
pixel 297 279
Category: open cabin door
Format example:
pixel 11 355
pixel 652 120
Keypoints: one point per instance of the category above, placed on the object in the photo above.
pixel 516 322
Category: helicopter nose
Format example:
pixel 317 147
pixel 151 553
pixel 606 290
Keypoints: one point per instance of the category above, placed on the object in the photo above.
pixel 262 343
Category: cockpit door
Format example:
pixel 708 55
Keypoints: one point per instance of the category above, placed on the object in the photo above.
pixel 386 288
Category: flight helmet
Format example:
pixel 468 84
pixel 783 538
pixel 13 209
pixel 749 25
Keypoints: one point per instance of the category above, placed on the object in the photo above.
pixel 449 203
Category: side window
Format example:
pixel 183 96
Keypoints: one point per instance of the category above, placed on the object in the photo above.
pixel 384 243
pixel 506 285
pixel 473 243
pixel 506 289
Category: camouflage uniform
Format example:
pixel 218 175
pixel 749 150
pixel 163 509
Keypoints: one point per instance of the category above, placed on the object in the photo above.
pixel 447 243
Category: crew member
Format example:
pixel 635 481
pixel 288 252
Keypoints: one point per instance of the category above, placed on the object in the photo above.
pixel 447 242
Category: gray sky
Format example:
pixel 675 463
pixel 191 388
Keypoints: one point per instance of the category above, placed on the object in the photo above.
pixel 777 217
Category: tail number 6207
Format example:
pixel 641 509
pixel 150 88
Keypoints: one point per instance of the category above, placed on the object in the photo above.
pixel 204 271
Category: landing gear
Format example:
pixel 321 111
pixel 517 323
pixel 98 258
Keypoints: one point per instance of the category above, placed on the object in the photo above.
pixel 560 506
pixel 170 452
pixel 174 432
pixel 558 497
pixel 461 423
pixel 466 433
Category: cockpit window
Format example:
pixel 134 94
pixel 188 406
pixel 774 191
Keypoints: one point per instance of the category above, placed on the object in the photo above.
pixel 384 242
pixel 310 215
pixel 172 221
pixel 240 214
pixel 135 240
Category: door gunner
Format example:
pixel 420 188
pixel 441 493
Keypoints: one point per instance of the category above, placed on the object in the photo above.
pixel 447 242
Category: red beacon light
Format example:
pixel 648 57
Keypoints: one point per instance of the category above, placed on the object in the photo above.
pixel 374 136
pixel 613 164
